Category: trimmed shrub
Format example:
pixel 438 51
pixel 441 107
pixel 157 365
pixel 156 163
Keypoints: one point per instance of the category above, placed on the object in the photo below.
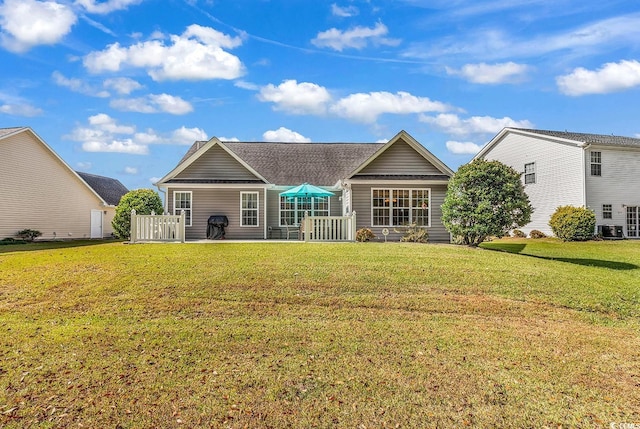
pixel 28 234
pixel 364 234
pixel 570 223
pixel 518 234
pixel 9 240
pixel 413 233
pixel 537 234
pixel 144 201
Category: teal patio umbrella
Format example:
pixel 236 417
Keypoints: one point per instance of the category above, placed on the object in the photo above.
pixel 306 190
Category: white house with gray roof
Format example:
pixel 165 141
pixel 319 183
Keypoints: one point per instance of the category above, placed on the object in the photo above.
pixel 387 184
pixel 598 171
pixel 38 190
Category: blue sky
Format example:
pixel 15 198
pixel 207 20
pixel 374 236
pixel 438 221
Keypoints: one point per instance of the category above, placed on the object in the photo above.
pixel 122 87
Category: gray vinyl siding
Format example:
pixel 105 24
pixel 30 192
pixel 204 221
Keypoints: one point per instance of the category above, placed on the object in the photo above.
pixel 217 164
pixel 400 158
pixel 39 191
pixel 559 174
pixel 361 200
pixel 224 201
pixel 619 184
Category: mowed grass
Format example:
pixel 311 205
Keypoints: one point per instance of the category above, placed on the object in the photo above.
pixel 533 333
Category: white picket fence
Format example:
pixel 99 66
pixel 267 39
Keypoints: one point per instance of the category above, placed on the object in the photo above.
pixel 329 228
pixel 153 227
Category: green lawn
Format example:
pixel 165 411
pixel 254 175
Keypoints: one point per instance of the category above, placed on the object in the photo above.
pixel 521 333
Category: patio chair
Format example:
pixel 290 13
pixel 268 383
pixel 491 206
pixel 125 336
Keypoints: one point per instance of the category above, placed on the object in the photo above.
pixel 292 230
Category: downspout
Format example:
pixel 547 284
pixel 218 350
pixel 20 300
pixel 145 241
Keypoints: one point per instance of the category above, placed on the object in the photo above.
pixel 164 192
pixel 585 148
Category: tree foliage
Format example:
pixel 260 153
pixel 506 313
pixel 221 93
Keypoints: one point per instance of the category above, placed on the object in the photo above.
pixel 144 201
pixel 573 223
pixel 484 199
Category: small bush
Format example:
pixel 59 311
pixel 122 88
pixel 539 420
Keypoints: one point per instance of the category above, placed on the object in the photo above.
pixel 537 234
pixel 570 223
pixel 413 233
pixel 9 240
pixel 364 234
pixel 518 234
pixel 28 234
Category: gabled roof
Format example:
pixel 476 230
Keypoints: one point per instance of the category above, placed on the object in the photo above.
pixel 586 138
pixel 110 190
pixel 578 139
pixel 322 164
pixel 105 188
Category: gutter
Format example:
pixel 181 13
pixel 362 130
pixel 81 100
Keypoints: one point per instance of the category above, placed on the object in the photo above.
pixel 585 147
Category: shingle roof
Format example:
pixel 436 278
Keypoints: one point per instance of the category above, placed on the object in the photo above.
pixel 600 139
pixel 110 190
pixel 6 131
pixel 322 164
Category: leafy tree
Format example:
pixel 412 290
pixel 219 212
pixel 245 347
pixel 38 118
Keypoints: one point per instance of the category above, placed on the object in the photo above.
pixel 144 201
pixel 573 223
pixel 484 198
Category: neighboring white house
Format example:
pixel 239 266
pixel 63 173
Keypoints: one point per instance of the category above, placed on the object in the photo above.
pixel 600 172
pixel 38 190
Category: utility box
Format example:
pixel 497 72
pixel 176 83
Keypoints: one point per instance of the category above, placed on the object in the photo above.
pixel 610 232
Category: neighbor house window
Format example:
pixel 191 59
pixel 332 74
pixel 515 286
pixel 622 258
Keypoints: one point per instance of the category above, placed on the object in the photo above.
pixel 596 163
pixel 293 209
pixel 396 207
pixel 607 211
pixel 530 173
pixel 248 209
pixel 182 203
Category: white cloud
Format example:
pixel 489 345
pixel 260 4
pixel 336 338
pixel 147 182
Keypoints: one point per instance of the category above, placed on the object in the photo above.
pixel 484 73
pixel 494 43
pixel 29 23
pixel 364 107
pixel 283 134
pixel 130 170
pixel 229 139
pixel 344 12
pixel 78 85
pixel 93 6
pixel 185 135
pixel 20 109
pixel 298 98
pixel 453 124
pixel 611 77
pixel 153 103
pixel 356 38
pixel 122 85
pixel 246 85
pixel 104 134
pixel 197 54
pixel 463 148
pixel 84 166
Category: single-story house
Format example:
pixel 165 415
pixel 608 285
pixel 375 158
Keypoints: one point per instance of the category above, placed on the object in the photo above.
pixel 40 191
pixel 559 168
pixel 387 185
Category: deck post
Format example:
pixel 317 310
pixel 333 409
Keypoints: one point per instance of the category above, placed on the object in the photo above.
pixel 133 227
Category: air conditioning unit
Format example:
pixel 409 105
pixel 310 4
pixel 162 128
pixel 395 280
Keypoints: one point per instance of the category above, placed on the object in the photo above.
pixel 610 232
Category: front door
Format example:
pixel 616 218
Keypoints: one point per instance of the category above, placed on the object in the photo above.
pixel 96 223
pixel 633 221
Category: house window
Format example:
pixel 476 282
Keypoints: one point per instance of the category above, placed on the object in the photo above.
pixel 248 209
pixel 530 173
pixel 396 207
pixel 596 163
pixel 182 203
pixel 292 210
pixel 607 211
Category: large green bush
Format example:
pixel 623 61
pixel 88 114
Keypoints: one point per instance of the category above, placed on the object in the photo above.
pixel 144 201
pixel 573 223
pixel 484 199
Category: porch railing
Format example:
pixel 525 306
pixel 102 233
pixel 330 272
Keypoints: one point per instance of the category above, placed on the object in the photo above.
pixel 155 227
pixel 329 228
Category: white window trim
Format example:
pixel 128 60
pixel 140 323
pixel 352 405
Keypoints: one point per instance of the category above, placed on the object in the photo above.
pixel 531 173
pixel 257 209
pixel 410 208
pixel 177 210
pixel 609 211
pixel 592 163
pixel 295 210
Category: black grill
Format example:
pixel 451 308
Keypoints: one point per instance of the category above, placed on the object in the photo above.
pixel 215 227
